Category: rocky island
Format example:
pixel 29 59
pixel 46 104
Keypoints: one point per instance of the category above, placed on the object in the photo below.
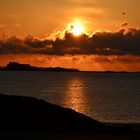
pixel 14 66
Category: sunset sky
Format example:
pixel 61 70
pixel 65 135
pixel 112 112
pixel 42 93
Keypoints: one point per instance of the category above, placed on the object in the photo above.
pixel 88 35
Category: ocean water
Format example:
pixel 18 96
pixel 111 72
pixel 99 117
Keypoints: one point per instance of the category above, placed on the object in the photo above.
pixel 107 97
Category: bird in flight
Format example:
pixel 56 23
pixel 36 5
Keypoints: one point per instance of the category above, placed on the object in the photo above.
pixel 123 13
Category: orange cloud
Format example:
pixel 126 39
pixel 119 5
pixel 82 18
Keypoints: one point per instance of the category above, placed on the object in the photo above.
pixel 82 62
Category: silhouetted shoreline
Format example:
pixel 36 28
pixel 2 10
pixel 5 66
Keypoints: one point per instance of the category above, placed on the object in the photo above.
pixel 31 118
pixel 33 115
pixel 15 66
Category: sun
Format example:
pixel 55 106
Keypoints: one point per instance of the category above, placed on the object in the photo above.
pixel 75 28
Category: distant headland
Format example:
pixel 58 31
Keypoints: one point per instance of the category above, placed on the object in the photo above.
pixel 15 66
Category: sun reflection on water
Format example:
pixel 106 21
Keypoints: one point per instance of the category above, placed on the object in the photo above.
pixel 75 97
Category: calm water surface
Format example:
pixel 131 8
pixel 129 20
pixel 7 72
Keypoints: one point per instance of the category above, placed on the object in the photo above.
pixel 107 97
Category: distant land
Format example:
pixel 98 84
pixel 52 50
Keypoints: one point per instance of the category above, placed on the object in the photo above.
pixel 15 66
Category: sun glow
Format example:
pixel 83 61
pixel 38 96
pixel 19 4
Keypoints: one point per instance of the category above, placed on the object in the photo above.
pixel 76 28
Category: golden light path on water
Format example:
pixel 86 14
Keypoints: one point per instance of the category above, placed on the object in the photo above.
pixel 75 96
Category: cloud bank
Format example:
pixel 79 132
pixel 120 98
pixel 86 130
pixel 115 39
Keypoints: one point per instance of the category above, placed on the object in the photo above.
pixel 122 42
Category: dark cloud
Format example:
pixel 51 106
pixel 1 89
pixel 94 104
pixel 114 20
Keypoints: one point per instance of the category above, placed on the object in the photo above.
pixel 124 25
pixel 100 43
pixel 36 43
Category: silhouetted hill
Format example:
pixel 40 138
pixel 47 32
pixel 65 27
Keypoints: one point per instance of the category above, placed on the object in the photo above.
pixel 14 66
pixel 27 114
pixel 17 66
pixel 30 114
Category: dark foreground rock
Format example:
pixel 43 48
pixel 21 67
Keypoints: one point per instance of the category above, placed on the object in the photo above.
pixel 27 114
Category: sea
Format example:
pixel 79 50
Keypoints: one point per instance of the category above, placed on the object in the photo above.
pixel 106 97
